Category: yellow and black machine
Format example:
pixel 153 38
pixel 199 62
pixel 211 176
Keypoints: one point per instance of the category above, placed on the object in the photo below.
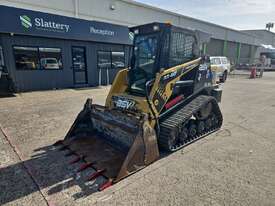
pixel 165 100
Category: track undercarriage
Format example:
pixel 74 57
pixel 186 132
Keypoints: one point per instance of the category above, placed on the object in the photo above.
pixel 189 123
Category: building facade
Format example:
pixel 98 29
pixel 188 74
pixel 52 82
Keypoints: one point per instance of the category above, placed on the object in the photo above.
pixel 46 51
pixel 238 46
pixel 267 47
pixel 266 37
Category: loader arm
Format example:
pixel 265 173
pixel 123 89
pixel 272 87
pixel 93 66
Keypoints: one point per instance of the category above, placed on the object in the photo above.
pixel 165 81
pixel 119 86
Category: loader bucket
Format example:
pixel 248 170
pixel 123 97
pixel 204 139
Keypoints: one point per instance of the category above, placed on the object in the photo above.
pixel 115 143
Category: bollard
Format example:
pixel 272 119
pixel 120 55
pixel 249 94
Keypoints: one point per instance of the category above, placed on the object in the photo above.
pixel 253 73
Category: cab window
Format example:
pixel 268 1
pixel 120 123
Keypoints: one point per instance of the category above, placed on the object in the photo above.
pixel 224 61
pixel 215 61
pixel 182 46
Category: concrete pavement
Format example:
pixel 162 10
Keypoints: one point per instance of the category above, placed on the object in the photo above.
pixel 234 166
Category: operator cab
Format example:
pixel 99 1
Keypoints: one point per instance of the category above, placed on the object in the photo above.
pixel 159 46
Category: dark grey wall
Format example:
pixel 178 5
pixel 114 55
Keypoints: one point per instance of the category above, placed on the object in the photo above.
pixel 49 79
pixel 245 53
pixel 232 49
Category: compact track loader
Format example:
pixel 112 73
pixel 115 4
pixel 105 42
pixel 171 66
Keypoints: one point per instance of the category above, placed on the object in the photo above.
pixel 165 100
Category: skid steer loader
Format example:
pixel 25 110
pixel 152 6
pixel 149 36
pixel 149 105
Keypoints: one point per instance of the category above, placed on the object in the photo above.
pixel 165 100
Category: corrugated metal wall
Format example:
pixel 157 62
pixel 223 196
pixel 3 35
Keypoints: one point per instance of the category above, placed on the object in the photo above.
pixel 218 48
pixel 231 53
pixel 215 47
pixel 245 53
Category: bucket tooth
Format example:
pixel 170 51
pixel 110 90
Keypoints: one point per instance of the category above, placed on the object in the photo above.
pixel 105 185
pixel 63 148
pixel 70 153
pixel 57 143
pixel 77 159
pixel 117 143
pixel 96 175
pixel 84 166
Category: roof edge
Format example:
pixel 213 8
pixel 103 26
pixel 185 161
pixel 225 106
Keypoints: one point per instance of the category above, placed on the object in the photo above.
pixel 134 2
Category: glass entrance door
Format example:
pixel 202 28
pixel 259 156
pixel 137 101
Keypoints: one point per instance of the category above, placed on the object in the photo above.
pixel 79 65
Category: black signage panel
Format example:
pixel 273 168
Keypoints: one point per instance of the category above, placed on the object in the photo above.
pixel 27 22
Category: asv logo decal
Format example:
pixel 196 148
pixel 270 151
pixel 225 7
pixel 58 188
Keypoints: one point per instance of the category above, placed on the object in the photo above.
pixel 170 75
pixel 124 103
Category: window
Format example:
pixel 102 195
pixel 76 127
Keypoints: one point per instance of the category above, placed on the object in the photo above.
pixel 118 59
pixel 33 58
pixel 144 59
pixel 225 60
pixel 50 58
pixel 145 54
pixel 104 60
pixel 181 48
pixel 110 60
pixel 215 61
pixel 26 58
pixel 107 63
pixel 164 63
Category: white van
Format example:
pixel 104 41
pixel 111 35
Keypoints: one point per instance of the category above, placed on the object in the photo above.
pixel 221 66
pixel 49 63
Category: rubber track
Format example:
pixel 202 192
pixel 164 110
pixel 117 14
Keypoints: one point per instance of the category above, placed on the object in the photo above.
pixel 174 122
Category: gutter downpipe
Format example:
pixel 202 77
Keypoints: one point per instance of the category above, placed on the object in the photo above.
pixel 76 8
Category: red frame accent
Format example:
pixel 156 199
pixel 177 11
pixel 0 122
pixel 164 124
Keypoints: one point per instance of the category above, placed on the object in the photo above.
pixel 105 185
pixel 75 160
pixel 173 102
pixel 84 166
pixel 96 175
